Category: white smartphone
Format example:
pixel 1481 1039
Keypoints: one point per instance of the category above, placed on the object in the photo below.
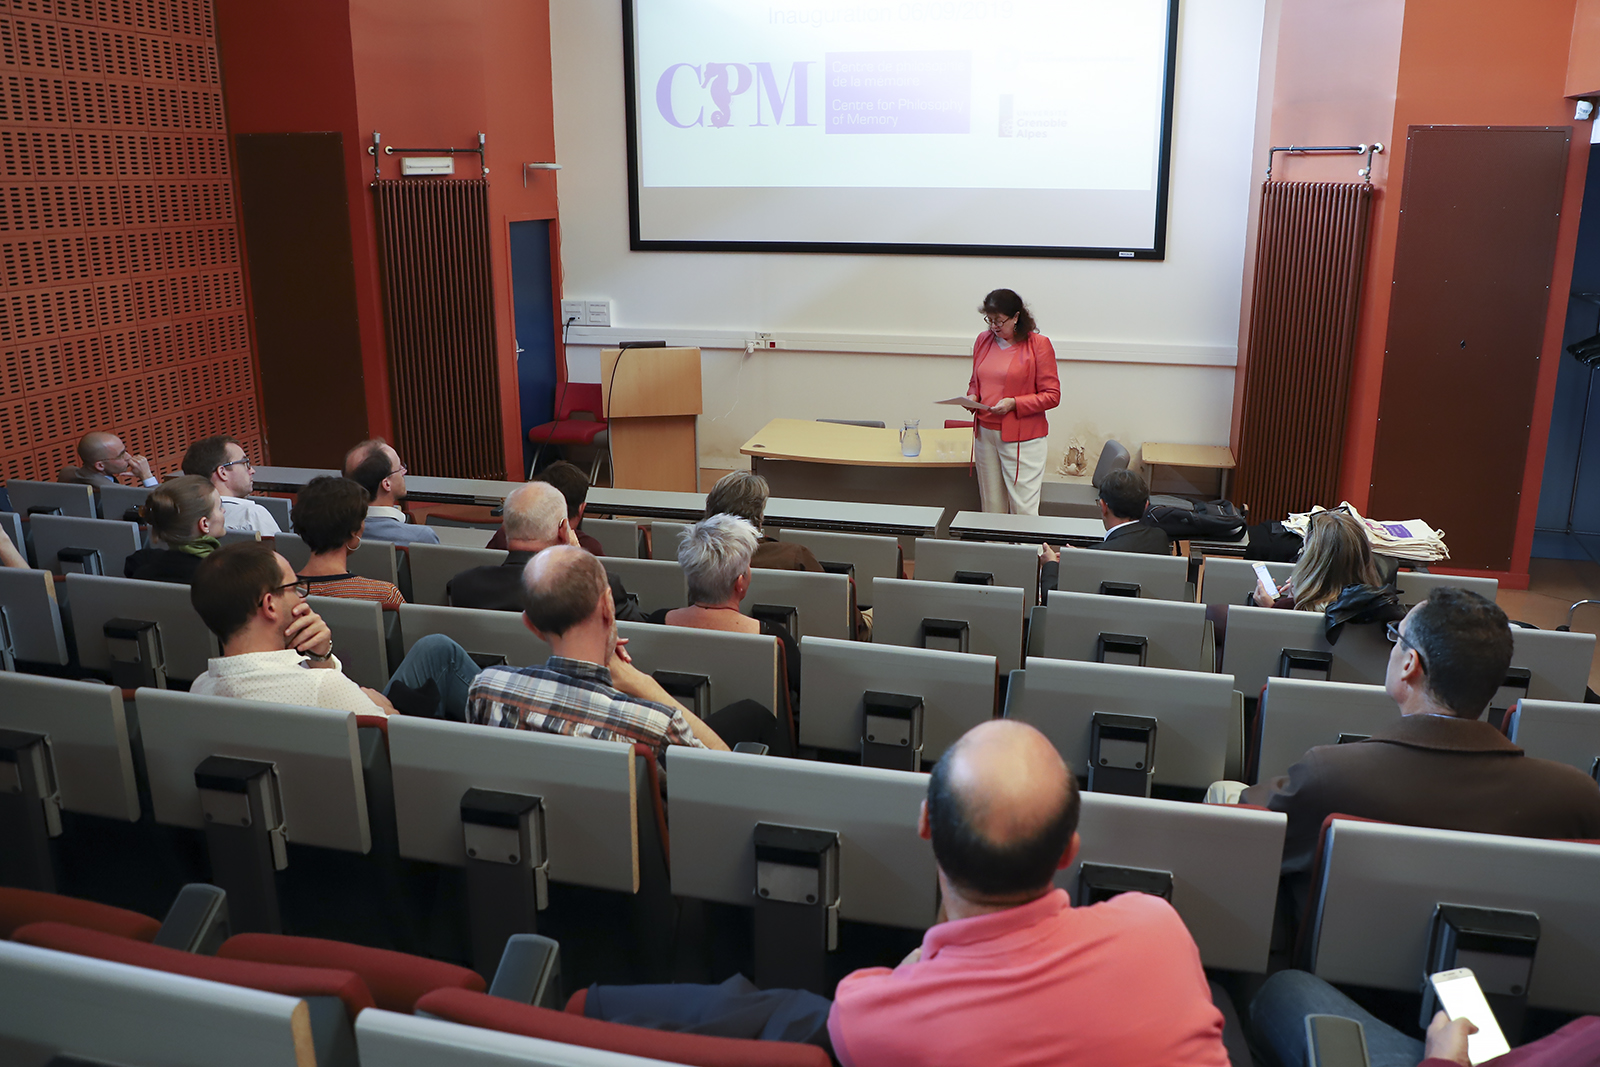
pixel 1264 575
pixel 1461 997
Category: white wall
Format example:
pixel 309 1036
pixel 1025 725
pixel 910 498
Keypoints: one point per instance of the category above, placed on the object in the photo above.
pixel 1147 348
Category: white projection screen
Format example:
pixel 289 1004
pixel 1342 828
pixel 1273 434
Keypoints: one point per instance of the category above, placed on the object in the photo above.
pixel 954 127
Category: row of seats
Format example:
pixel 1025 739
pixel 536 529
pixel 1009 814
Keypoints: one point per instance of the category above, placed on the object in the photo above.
pixel 105 501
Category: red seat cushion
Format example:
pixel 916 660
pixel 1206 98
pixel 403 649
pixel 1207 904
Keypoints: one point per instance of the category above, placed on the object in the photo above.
pixel 268 977
pixel 19 907
pixel 696 1050
pixel 958 424
pixel 395 979
pixel 566 432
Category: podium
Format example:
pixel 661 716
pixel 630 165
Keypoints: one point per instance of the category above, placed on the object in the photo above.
pixel 652 403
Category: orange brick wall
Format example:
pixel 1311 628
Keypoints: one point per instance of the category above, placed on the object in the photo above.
pixel 120 266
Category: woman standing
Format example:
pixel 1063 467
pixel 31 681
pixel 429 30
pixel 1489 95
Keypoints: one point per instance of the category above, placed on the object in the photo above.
pixel 1013 373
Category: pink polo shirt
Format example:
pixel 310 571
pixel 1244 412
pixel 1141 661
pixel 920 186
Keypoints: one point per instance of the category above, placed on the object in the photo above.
pixel 1118 984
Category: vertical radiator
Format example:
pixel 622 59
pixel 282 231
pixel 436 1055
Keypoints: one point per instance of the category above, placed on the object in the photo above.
pixel 438 310
pixel 1310 257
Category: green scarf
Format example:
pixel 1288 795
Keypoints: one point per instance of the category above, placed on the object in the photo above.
pixel 200 546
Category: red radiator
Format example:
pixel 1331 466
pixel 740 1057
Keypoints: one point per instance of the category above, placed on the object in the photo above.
pixel 1310 256
pixel 438 307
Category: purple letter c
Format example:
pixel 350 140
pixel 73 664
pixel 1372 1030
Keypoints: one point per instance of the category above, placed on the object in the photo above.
pixel 664 96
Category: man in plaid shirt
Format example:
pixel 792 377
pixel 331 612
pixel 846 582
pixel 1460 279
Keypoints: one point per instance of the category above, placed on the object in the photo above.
pixel 588 687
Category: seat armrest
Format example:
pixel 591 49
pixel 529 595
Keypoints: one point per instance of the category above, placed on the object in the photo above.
pixel 197 921
pixel 529 972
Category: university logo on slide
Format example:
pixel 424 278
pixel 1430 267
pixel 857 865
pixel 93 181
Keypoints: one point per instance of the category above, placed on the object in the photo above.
pixel 684 90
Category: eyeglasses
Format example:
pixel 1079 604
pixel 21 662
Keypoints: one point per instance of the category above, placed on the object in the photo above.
pixel 398 470
pixel 299 585
pixel 1392 632
pixel 998 320
pixel 235 462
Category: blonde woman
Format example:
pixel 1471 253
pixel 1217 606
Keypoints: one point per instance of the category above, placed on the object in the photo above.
pixel 1336 554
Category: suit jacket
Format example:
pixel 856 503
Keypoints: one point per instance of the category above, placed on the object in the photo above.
pixel 774 555
pixel 387 528
pixel 84 476
pixel 1138 537
pixel 499 588
pixel 1436 771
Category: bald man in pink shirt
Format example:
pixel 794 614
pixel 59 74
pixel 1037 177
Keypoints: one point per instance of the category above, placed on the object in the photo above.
pixel 1016 975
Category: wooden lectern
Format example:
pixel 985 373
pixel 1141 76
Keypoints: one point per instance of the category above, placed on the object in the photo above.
pixel 652 402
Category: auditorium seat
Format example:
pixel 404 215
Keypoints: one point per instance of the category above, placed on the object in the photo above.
pixel 65 498
pixel 574 398
pixel 395 979
pixel 112 539
pixel 665 537
pixel 33 614
pixel 573 1028
pixel 873 556
pixel 22 907
pixel 432 567
pixel 1077 499
pixel 617 537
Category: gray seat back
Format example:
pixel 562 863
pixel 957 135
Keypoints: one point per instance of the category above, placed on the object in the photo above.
pixel 11 523
pixel 115 500
pixel 822 600
pixel 292 548
pixel 113 539
pixel 1199 725
pixel 665 538
pixel 993 614
pixel 658 583
pixel 432 567
pixel 1257 638
pixel 33 616
pixel 1069 625
pixel 280 508
pixel 1298 714
pixel 1414 586
pixel 1227 582
pixel 617 537
pixel 185 641
pixel 72 499
pixel 88 731
pixel 737 666
pixel 1016 566
pixel 1158 577
pixel 492 633
pixel 1557 730
pixel 872 556
pixel 360 637
pixel 1113 457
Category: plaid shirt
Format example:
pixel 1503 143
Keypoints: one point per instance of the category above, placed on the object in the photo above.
pixel 576 698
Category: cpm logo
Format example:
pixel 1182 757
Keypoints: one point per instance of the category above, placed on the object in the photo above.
pixel 681 83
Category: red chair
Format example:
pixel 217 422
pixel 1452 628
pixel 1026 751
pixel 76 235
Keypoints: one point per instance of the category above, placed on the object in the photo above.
pixel 573 398
pixel 958 424
pixel 394 979
pixel 22 907
pixel 572 1028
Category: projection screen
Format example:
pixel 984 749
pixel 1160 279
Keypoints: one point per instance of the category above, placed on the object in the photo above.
pixel 954 127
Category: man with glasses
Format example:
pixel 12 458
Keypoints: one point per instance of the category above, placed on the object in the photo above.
pixel 376 467
pixel 1440 765
pixel 275 648
pixel 105 460
pixel 222 460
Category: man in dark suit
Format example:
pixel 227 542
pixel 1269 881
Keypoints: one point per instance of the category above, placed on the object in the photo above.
pixel 1124 496
pixel 535 519
pixel 1439 766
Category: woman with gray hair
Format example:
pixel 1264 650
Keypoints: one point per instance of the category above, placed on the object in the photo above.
pixel 715 556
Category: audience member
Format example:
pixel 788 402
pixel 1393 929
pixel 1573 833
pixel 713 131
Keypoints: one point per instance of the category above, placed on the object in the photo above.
pixel 185 518
pixel 105 459
pixel 9 555
pixel 1439 765
pixel 222 460
pixel 328 514
pixel 588 687
pixel 574 486
pixel 275 648
pixel 1336 554
pixel 534 519
pixel 1013 974
pixel 745 495
pixel 376 467
pixel 1278 1018
pixel 715 556
pixel 1123 499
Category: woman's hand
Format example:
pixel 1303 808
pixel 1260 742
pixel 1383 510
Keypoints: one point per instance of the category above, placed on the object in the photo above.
pixel 1265 596
pixel 1006 406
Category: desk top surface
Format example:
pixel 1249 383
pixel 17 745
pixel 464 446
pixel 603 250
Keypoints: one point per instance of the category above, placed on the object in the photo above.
pixel 791 513
pixel 858 446
pixel 1216 456
pixel 994 526
pixel 419 487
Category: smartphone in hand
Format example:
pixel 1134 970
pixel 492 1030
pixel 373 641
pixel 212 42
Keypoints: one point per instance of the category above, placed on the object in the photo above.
pixel 1461 997
pixel 1264 576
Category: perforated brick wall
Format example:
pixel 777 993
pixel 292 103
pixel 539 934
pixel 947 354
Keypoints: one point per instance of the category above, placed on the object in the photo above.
pixel 120 278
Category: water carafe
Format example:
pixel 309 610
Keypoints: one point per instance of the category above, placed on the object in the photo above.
pixel 911 438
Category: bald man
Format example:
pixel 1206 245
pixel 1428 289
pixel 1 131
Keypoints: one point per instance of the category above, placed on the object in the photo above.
pixel 588 687
pixel 535 518
pixel 1015 974
pixel 377 468
pixel 106 459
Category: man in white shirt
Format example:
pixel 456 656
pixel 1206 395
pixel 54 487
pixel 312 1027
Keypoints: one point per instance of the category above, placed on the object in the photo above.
pixel 377 468
pixel 222 459
pixel 105 459
pixel 275 648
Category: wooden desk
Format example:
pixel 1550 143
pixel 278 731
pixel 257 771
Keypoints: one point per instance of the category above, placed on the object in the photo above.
pixel 829 461
pixel 419 487
pixel 1216 458
pixel 784 512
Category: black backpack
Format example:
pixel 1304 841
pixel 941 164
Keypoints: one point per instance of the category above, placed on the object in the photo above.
pixel 1216 520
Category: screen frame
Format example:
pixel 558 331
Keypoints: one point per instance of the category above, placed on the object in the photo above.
pixel 1158 250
